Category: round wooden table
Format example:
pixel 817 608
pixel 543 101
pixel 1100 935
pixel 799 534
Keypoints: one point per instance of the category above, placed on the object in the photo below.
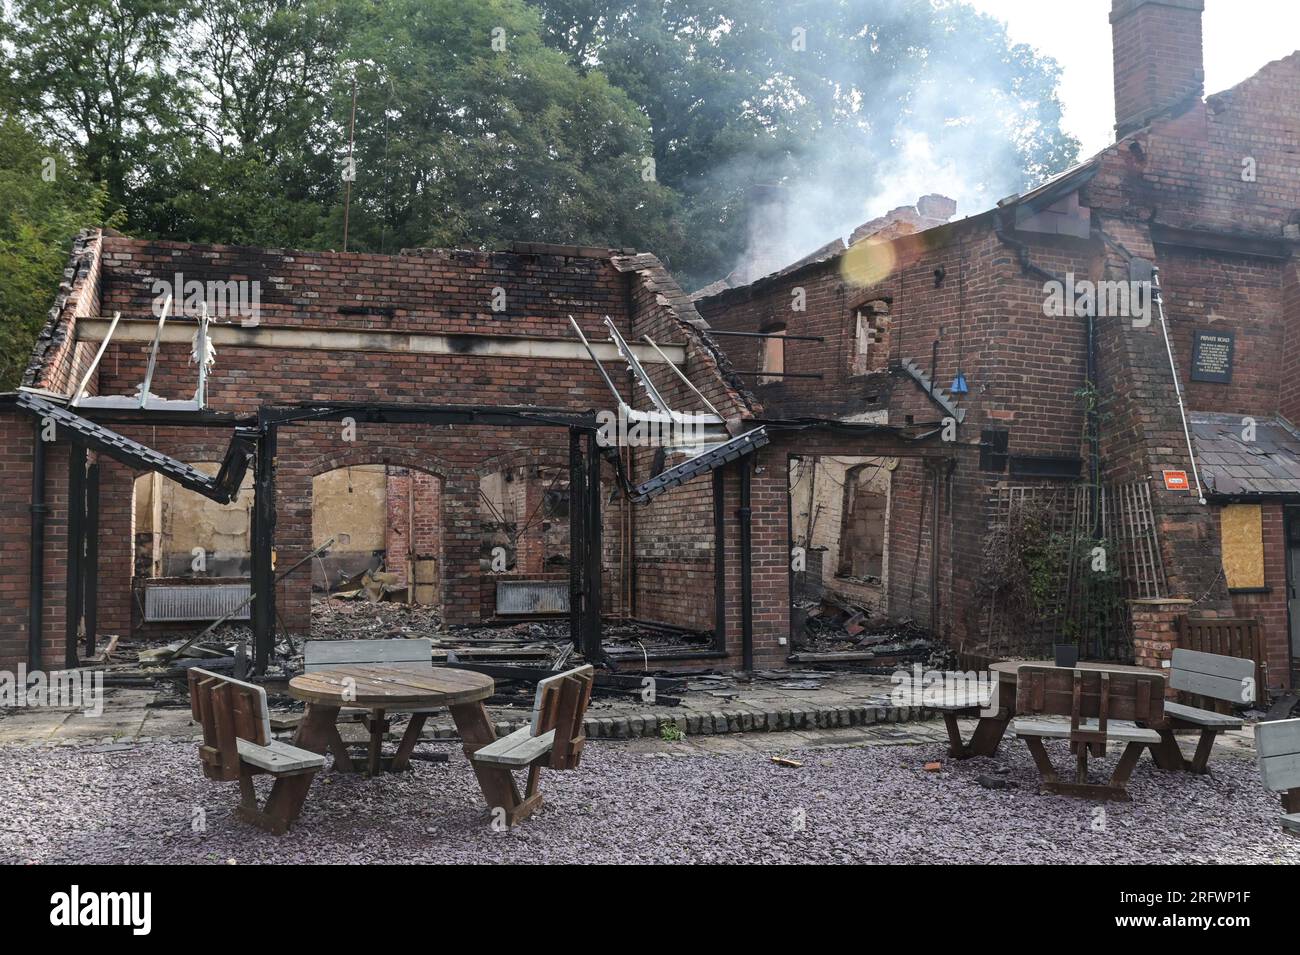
pixel 381 689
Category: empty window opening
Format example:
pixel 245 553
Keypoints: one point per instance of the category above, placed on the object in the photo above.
pixel 182 534
pixel 524 521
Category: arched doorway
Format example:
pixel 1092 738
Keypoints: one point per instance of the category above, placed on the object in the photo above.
pixel 387 524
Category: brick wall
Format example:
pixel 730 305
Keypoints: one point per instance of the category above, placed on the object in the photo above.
pixel 427 292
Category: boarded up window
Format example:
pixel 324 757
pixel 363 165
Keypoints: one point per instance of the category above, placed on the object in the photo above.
pixel 773 355
pixel 1241 533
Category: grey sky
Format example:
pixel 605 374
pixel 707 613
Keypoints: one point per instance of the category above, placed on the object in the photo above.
pixel 1240 37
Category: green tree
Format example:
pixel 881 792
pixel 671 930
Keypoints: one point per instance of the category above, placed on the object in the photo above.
pixel 831 106
pixel 93 76
pixel 44 201
pixel 471 131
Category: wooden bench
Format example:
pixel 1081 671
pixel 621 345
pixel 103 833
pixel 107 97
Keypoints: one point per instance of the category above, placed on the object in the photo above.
pixel 1102 705
pixel 323 654
pixel 1208 675
pixel 403 654
pixel 1277 747
pixel 553 738
pixel 1230 637
pixel 237 744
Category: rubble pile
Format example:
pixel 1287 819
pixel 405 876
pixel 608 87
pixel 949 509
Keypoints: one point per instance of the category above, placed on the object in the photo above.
pixel 849 633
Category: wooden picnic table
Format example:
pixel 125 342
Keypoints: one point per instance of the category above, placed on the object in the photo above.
pixel 385 689
pixel 990 729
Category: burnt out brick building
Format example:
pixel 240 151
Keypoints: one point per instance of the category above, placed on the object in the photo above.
pixel 460 390
pixel 957 321
pixel 976 379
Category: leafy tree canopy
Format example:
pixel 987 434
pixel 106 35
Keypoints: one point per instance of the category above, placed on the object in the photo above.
pixel 712 132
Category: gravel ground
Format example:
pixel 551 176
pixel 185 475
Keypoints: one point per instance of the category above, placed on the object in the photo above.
pixel 868 804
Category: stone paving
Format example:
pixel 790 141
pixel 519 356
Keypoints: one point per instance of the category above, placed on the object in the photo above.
pixel 845 710
pixel 720 706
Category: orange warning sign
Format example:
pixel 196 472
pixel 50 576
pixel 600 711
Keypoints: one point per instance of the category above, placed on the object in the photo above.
pixel 1176 481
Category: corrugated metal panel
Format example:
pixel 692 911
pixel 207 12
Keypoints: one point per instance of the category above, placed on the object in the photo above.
pixel 168 602
pixel 532 596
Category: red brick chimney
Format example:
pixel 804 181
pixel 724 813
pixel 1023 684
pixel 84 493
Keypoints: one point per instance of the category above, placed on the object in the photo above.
pixel 1158 58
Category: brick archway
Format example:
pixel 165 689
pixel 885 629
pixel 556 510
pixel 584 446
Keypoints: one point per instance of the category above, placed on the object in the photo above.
pixel 411 523
pixel 362 454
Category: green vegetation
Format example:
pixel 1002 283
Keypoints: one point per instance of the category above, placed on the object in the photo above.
pixel 656 124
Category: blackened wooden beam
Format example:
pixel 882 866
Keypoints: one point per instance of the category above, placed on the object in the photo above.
pixel 592 604
pixel 263 548
pixel 577 542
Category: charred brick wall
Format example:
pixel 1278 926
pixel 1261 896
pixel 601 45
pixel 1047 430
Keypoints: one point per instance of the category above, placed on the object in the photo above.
pixel 426 292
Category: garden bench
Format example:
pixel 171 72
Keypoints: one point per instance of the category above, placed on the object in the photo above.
pixel 237 744
pixel 401 653
pixel 1230 637
pixel 1209 675
pixel 1102 706
pixel 553 738
pixel 1277 747
pixel 405 654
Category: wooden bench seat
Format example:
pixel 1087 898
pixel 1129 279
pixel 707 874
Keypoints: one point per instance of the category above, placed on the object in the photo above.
pixel 278 756
pixel 1120 732
pixel 1102 706
pixel 950 703
pixel 1211 676
pixel 1192 714
pixel 518 749
pixel 237 744
pixel 554 738
pixel 1277 748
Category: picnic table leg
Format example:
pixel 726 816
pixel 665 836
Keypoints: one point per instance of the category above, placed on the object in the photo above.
pixel 1166 753
pixel 497 784
pixel 1204 745
pixel 988 734
pixel 1081 763
pixel 956 748
pixel 1124 768
pixel 318 733
pixel 1041 759
pixel 284 805
pixel 1291 801
pixel 409 739
pixel 378 726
